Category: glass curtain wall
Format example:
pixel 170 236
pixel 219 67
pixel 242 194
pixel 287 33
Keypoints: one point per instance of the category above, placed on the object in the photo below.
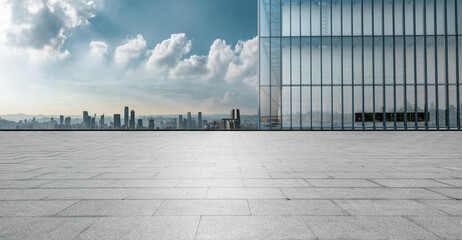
pixel 360 64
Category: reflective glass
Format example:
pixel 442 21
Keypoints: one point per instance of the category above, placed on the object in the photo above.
pixel 264 18
pixel 264 61
pixel 275 22
pixel 305 17
pixel 296 107
pixel 295 18
pixel 295 62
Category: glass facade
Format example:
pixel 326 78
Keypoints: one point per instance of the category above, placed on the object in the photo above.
pixel 360 64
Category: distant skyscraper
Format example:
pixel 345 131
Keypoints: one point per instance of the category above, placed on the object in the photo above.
pixel 93 123
pixel 180 122
pixel 116 121
pixel 189 122
pixel 140 124
pixel 236 115
pixel 232 123
pixel 126 117
pixel 85 119
pixel 67 123
pixel 151 124
pixel 199 120
pixel 132 119
pixel 101 122
pixel 61 121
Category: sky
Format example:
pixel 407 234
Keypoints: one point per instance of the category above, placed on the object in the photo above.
pixel 155 56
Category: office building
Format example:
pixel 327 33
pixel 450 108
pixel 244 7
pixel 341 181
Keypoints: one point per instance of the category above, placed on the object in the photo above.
pixel 101 122
pixel 117 121
pixel 126 118
pixel 232 123
pixel 199 120
pixel 132 119
pixel 67 123
pixel 139 125
pixel 151 124
pixel 360 64
pixel 61 121
pixel 189 122
pixel 86 120
pixel 180 122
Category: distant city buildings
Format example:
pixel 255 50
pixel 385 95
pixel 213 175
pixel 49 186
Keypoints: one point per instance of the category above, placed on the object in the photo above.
pixel 132 119
pixel 117 121
pixel 232 123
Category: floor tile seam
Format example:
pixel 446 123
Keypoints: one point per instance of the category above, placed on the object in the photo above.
pixel 409 219
pixel 448 185
pixel 422 201
pixel 442 194
pixel 336 204
pixel 157 209
pixel 86 228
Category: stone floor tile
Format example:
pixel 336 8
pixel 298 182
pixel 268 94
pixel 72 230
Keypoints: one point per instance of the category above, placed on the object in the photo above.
pixel 388 208
pixel 113 208
pixel 245 193
pixel 168 193
pixel 294 207
pixel 204 207
pixel 445 227
pixel 452 207
pixel 409 183
pixel 272 183
pixel 33 208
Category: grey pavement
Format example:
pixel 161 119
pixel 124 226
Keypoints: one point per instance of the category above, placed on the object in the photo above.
pixel 230 185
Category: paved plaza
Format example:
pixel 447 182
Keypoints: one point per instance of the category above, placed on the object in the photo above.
pixel 230 185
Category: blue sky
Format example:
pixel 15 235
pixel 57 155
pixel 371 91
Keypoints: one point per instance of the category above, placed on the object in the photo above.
pixel 156 56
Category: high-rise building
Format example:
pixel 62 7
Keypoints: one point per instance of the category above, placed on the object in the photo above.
pixel 86 121
pixel 93 123
pixel 117 121
pixel 180 122
pixel 189 122
pixel 232 123
pixel 132 119
pixel 101 122
pixel 126 117
pixel 364 64
pixel 61 121
pixel 139 124
pixel 67 123
pixel 151 124
pixel 199 120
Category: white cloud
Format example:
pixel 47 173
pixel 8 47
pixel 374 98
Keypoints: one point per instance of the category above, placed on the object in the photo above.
pixel 39 28
pixel 167 55
pixel 217 104
pixel 222 62
pixel 245 66
pixel 133 48
pixel 98 49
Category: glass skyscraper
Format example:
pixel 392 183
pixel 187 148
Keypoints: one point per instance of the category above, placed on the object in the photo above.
pixel 360 64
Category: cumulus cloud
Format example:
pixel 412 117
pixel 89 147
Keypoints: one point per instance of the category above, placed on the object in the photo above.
pixel 169 52
pixel 223 62
pixel 40 27
pixel 245 65
pixel 98 49
pixel 217 104
pixel 133 48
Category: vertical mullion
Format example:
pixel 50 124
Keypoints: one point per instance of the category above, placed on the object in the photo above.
pixel 352 69
pixel 311 64
pixel 341 54
pixel 331 70
pixel 383 67
pixel 300 64
pixel 362 62
pixel 457 65
pixel 280 62
pixel 426 63
pixel 269 62
pixel 436 67
pixel 290 55
pixel 259 66
pixel 373 65
pixel 394 63
pixel 320 48
pixel 415 65
pixel 448 120
pixel 404 64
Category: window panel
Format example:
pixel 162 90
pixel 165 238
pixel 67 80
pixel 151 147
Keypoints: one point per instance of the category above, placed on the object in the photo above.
pixel 306 60
pixel 357 57
pixel 410 105
pixel 453 106
pixel 440 17
pixel 442 108
pixel 337 60
pixel 378 59
pixel 306 107
pixel 410 68
pixel 264 18
pixel 367 17
pixel 305 17
pixel 409 16
pixel 276 116
pixel 295 16
pixel 316 60
pixel 419 17
pixel 285 17
pixel 326 107
pixel 399 58
pixel 420 60
pixel 451 18
pixel 275 61
pixel 421 107
pixel 295 61
pixel 347 107
pixel 325 18
pixel 286 61
pixel 316 106
pixel 296 107
pixel 347 60
pixel 379 108
pixel 389 78
pixel 336 21
pixel 347 17
pixel 368 68
pixel 390 105
pixel 388 16
pixel 337 104
pixel 315 18
pixel 326 58
pixel 378 17
pixel 358 104
pixel 430 16
pixel 431 106
pixel 286 107
pixel 459 16
pixel 368 104
pixel 431 60
pixel 275 23
pixel 452 64
pixel 399 17
pixel 264 61
pixel 265 107
pixel 357 15
pixel 441 58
